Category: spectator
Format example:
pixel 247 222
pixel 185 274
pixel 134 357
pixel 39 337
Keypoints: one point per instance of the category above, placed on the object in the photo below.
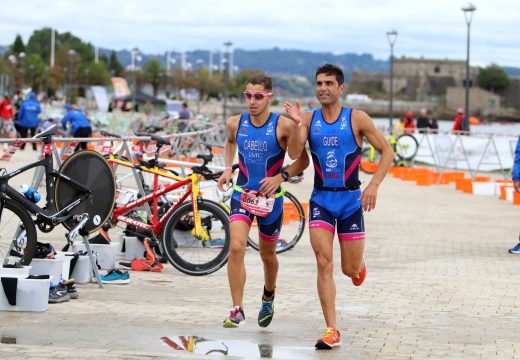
pixel 6 118
pixel 80 125
pixel 27 120
pixel 516 184
pixel 409 123
pixel 185 112
pixel 457 120
pixel 423 122
pixel 434 125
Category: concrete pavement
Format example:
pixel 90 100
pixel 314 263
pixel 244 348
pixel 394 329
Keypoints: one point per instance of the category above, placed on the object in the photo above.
pixel 440 285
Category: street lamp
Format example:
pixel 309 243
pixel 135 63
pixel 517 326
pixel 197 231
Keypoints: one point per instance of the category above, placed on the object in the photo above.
pixel 468 14
pixel 71 55
pixel 12 59
pixel 392 37
pixel 227 44
pixel 135 58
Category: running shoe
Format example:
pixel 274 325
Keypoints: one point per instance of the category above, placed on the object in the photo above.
pixel 515 250
pixel 330 339
pixel 69 287
pixel 236 318
pixel 217 243
pixel 266 312
pixel 115 277
pixel 281 244
pixel 358 280
pixel 56 296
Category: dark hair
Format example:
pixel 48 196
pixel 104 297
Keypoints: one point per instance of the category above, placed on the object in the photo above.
pixel 330 69
pixel 261 79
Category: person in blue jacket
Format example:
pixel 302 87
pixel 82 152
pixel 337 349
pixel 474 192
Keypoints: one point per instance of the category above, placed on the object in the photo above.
pixel 80 125
pixel 27 119
pixel 516 184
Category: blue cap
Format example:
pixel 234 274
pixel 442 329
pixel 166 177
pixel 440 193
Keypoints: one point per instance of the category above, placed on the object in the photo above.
pixel 67 106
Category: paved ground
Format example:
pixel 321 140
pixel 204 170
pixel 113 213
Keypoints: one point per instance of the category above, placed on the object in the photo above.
pixel 440 285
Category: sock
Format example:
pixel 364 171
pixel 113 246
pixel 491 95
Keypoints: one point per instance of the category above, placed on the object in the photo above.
pixel 269 294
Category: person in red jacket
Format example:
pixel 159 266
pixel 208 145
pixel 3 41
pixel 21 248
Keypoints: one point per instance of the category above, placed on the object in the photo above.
pixel 409 123
pixel 457 120
pixel 6 118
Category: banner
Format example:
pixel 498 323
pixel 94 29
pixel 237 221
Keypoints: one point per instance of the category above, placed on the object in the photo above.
pixel 483 152
pixel 101 96
pixel 120 87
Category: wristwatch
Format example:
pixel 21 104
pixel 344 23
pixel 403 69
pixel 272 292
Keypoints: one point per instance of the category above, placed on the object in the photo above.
pixel 285 175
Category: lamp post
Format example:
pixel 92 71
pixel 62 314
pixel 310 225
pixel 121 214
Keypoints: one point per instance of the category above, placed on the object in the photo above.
pixel 392 37
pixel 21 56
pixel 71 55
pixel 227 44
pixel 135 57
pixel 468 14
pixel 12 59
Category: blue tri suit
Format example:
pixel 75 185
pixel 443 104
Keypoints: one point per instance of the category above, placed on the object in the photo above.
pixel 336 156
pixel 259 156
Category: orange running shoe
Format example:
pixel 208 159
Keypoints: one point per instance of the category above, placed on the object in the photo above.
pixel 358 280
pixel 330 339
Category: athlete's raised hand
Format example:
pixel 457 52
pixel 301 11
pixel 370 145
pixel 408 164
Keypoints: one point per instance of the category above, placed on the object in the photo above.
pixel 295 112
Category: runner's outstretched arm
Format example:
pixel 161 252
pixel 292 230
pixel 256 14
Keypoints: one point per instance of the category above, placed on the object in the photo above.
pixel 298 137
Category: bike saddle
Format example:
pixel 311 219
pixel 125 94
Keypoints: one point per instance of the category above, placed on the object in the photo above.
pixel 160 140
pixel 109 134
pixel 53 130
pixel 205 158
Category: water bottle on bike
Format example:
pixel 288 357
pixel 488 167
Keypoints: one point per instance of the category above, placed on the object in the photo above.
pixel 30 193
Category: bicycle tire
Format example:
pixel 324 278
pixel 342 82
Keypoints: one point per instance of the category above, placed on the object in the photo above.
pixel 406 147
pixel 367 161
pixel 299 224
pixel 13 216
pixel 90 169
pixel 189 254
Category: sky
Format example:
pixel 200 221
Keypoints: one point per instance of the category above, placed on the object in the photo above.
pixel 431 29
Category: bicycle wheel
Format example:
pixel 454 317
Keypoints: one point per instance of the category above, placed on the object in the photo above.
pixel 406 146
pixel 369 163
pixel 91 170
pixel 189 254
pixel 291 231
pixel 17 234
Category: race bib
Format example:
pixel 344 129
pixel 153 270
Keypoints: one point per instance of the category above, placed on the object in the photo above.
pixel 256 203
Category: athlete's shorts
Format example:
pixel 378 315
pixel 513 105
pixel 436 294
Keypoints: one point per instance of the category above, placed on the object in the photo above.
pixel 334 209
pixel 268 227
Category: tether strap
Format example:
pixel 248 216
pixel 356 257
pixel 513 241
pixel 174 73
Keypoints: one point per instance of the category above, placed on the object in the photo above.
pixel 341 188
pixel 277 195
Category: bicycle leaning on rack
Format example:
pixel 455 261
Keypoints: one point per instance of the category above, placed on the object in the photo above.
pixel 80 195
pixel 405 148
pixel 185 228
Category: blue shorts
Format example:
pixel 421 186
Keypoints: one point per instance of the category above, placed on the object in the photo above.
pixel 337 209
pixel 268 227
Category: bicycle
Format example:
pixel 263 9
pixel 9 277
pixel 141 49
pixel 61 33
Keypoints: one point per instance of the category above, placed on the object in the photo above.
pixel 405 147
pixel 184 228
pixel 80 195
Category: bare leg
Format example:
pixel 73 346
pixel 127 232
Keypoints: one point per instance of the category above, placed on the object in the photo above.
pixel 270 260
pixel 352 257
pixel 236 267
pixel 322 241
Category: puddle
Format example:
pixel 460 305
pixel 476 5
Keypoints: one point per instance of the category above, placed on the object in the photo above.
pixel 7 340
pixel 203 346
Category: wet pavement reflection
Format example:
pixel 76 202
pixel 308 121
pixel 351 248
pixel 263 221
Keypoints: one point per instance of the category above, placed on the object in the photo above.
pixel 203 346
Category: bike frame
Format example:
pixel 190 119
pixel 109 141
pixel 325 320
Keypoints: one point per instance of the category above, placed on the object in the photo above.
pixel 48 214
pixel 157 222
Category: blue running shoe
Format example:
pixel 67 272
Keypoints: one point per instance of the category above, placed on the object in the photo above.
pixel 266 312
pixel 515 250
pixel 115 277
pixel 217 243
pixel 236 318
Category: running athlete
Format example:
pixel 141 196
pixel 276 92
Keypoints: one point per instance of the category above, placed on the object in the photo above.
pixel 261 138
pixel 335 134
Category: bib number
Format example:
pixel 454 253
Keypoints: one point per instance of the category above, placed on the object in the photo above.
pixel 256 202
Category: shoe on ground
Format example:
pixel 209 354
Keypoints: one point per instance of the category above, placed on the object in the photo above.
pixel 331 338
pixel 515 250
pixel 115 277
pixel 56 296
pixel 217 243
pixel 265 316
pixel 236 318
pixel 358 280
pixel 281 244
pixel 69 286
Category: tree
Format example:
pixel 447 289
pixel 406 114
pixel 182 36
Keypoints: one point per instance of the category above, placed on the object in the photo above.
pixel 154 73
pixel 40 43
pixel 492 78
pixel 34 71
pixel 114 65
pixel 18 45
pixel 96 74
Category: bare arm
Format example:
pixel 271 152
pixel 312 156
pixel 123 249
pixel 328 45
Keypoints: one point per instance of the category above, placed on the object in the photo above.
pixel 364 126
pixel 230 151
pixel 298 137
pixel 270 184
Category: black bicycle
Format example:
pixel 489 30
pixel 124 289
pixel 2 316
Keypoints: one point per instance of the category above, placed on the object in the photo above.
pixel 83 185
